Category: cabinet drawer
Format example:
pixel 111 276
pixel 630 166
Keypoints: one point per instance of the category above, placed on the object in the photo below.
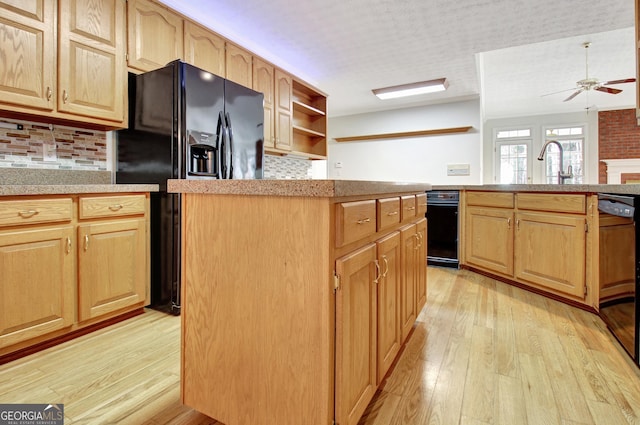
pixel 552 202
pixel 388 212
pixel 355 220
pixel 35 211
pixel 408 203
pixel 111 206
pixel 421 204
pixel 490 199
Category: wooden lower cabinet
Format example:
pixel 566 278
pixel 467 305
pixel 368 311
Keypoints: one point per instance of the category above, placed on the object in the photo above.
pixel 68 262
pixel 112 266
pixel 550 251
pixel 421 265
pixel 37 293
pixel 409 246
pixel 356 332
pixel 489 239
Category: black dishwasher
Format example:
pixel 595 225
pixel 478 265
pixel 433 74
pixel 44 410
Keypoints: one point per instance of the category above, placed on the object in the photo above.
pixel 442 228
pixel 619 244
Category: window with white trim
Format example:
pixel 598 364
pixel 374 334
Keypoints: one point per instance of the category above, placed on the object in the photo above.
pixel 512 156
pixel 572 140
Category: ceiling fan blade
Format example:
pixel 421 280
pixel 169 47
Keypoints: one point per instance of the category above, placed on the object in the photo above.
pixel 626 80
pixel 608 90
pixel 556 92
pixel 573 95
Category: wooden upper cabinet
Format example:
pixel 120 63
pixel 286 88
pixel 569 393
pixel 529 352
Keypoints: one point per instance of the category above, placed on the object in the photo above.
pixel 264 82
pixel 239 66
pixel 28 50
pixel 155 35
pixel 91 60
pixel 204 49
pixel 283 110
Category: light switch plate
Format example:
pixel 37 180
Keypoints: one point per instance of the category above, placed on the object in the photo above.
pixel 458 169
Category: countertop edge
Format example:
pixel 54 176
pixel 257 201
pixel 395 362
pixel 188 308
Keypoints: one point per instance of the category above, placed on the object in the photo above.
pixel 294 188
pixel 72 189
pixel 622 189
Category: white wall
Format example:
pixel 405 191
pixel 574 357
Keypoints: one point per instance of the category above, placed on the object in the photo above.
pixel 538 123
pixel 415 159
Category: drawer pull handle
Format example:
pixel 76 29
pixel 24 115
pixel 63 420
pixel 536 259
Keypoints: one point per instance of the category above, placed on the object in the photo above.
pixel 508 223
pixel 417 245
pixel 364 220
pixel 49 93
pixel 115 207
pixel 27 214
pixel 68 245
pixel 65 96
pixel 86 242
pixel 411 208
pixel 393 213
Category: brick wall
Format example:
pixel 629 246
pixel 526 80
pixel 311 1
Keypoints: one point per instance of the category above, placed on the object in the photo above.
pixel 618 138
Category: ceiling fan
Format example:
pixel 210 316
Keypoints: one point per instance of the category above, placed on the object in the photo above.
pixel 591 83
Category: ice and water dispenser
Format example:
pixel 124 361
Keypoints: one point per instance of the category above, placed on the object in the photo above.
pixel 202 154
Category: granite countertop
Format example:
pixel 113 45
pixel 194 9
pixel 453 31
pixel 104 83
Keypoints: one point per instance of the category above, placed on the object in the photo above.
pixel 70 189
pixel 622 189
pixel 311 188
pixel 34 181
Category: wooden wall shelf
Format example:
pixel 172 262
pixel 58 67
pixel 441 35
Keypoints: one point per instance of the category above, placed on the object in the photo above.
pixel 405 134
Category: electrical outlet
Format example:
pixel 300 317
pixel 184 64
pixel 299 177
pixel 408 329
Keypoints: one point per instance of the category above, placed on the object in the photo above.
pixel 49 147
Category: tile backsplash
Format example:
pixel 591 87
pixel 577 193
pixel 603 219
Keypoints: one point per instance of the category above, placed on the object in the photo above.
pixel 63 148
pixel 282 167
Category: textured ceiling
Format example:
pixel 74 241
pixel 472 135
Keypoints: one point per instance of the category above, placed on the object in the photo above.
pixel 507 52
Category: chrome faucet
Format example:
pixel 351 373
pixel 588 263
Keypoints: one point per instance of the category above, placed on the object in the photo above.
pixel 561 174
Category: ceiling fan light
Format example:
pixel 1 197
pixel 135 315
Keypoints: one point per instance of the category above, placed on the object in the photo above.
pixel 423 87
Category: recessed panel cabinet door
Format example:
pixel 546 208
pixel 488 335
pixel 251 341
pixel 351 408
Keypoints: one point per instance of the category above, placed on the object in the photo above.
pixel 284 116
pixel 389 332
pixel 263 82
pixel 421 265
pixel 239 65
pixel 409 246
pixel 204 49
pixel 355 334
pixel 37 290
pixel 28 51
pixel 154 35
pixel 92 70
pixel 489 241
pixel 111 266
pixel 550 251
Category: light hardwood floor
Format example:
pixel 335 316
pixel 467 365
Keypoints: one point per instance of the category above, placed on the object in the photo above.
pixel 482 352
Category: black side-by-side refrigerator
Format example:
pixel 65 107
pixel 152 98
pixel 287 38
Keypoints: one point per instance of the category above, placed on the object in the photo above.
pixel 185 123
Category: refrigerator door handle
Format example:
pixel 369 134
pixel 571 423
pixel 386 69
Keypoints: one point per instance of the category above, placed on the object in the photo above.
pixel 230 141
pixel 221 146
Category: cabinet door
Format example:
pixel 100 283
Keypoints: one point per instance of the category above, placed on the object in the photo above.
pixel 28 51
pixel 263 81
pixel 91 61
pixel 389 331
pixel 239 65
pixel 112 266
pixel 154 35
pixel 283 123
pixel 204 49
pixel 550 251
pixel 489 239
pixel 409 246
pixel 355 334
pixel 37 293
pixel 421 265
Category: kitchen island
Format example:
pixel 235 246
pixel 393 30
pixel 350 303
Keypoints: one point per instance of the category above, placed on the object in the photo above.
pixel 297 295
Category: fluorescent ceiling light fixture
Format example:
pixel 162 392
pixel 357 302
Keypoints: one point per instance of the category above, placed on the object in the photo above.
pixel 412 89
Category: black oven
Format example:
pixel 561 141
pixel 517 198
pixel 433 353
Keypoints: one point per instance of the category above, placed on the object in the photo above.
pixel 620 268
pixel 442 228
